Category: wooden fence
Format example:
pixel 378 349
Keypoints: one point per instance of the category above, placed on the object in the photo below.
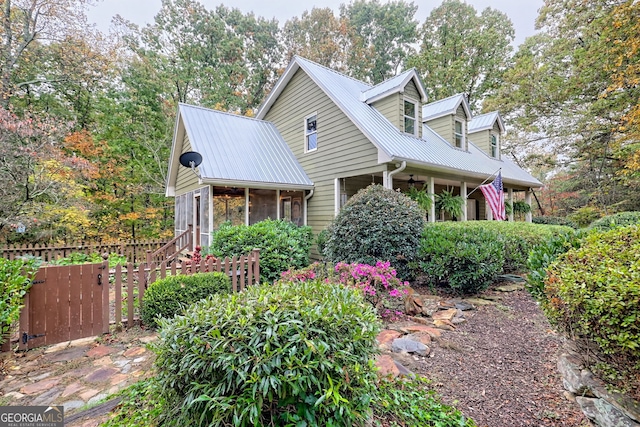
pixel 134 251
pixel 69 302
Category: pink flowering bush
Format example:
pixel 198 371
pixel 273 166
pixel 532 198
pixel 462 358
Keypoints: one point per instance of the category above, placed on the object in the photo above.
pixel 378 283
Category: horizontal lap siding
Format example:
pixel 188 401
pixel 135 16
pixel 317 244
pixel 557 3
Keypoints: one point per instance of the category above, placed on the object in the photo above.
pixel 481 139
pixel 342 148
pixel 443 126
pixel 391 108
pixel 186 179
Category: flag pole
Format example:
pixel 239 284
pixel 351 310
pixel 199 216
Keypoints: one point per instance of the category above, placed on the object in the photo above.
pixel 482 183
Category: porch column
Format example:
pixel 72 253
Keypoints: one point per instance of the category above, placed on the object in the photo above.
pixel 385 179
pixel 527 198
pixel 488 211
pixel 336 195
pixel 510 198
pixel 430 191
pixel 246 206
pixel 463 193
pixel 278 214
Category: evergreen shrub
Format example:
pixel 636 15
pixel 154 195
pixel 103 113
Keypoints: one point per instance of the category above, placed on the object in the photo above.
pixel 463 258
pixel 289 354
pixel 376 224
pixel 554 220
pixel 171 295
pixel 282 245
pixel 593 296
pixel 620 219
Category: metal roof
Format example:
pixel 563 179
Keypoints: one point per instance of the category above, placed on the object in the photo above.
pixel 444 107
pixel 485 121
pixel 393 85
pixel 240 149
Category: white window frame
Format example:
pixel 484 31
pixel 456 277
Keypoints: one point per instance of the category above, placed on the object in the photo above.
pixel 307 133
pixel 462 135
pixel 414 118
pixel 494 137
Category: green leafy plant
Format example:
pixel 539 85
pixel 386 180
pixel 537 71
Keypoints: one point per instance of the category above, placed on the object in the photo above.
pixel 376 224
pixel 171 295
pixel 461 258
pixel 140 406
pixel 15 280
pixel 449 204
pixel 541 257
pixel 284 354
pixel 554 220
pixel 282 245
pixel 420 196
pixel 585 215
pixel 620 219
pixel 593 296
pixel 408 402
pixel 76 258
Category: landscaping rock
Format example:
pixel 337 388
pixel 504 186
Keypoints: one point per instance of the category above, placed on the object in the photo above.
pixel 464 306
pixel 509 288
pixel 445 314
pixel 604 414
pixel 69 353
pixel 403 371
pixel 409 346
pixel 423 337
pixel 386 337
pixel 39 387
pixel 72 404
pixel 479 301
pixel 387 366
pixel 570 368
pixel 445 325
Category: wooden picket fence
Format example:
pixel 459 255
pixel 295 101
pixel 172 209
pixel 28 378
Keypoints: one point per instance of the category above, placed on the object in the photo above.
pixel 77 301
pixel 134 251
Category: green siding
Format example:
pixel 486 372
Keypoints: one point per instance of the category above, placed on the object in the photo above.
pixel 186 180
pixel 443 126
pixel 482 140
pixel 342 148
pixel 391 108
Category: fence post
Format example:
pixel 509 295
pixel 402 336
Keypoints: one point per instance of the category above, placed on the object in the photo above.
pixel 256 265
pixel 190 228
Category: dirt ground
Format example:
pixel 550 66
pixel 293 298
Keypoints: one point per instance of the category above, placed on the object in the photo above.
pixel 499 367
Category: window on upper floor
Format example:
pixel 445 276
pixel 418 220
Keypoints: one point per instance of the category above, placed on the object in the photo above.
pixel 310 133
pixel 494 145
pixel 410 117
pixel 459 133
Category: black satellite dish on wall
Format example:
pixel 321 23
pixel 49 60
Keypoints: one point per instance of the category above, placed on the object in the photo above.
pixel 190 159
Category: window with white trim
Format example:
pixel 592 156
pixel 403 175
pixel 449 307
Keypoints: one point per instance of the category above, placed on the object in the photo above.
pixel 458 134
pixel 310 133
pixel 494 145
pixel 410 117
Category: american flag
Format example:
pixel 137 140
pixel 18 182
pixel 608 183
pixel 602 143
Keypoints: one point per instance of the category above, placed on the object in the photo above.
pixel 494 194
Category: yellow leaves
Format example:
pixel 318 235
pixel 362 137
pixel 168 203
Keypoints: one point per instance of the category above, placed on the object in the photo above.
pixel 131 216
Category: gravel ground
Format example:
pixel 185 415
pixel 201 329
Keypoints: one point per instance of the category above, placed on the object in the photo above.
pixel 499 367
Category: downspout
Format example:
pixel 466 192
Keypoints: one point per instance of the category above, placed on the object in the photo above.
pixel 390 175
pixel 306 199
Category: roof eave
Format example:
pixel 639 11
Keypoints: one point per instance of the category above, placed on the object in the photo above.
pixel 172 173
pixel 255 184
pixel 282 82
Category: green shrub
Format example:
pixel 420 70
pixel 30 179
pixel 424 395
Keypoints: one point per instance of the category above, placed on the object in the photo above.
pixel 593 295
pixel 171 295
pixel 585 215
pixel 620 219
pixel 140 406
pixel 15 281
pixel 321 240
pixel 464 258
pixel 410 403
pixel 541 256
pixel 283 354
pixel 76 258
pixel 282 245
pixel 554 220
pixel 376 224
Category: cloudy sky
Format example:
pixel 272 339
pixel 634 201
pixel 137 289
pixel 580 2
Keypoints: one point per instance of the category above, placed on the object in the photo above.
pixel 522 12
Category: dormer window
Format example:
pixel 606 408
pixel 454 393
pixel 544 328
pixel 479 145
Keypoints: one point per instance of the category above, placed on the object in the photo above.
pixel 310 133
pixel 494 145
pixel 410 117
pixel 459 133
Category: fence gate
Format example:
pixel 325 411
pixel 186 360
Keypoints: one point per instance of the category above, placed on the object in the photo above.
pixel 65 303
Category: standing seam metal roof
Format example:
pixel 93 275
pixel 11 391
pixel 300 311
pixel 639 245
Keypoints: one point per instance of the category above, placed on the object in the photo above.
pixel 238 148
pixel 484 121
pixel 430 150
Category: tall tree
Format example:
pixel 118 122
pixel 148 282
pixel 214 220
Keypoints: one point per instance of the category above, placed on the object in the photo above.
pixel 463 52
pixel 384 36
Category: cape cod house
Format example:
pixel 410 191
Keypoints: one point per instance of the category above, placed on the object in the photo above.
pixel 318 138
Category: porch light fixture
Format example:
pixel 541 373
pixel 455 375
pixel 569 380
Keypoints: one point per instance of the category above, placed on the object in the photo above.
pixel 191 159
pixel 411 181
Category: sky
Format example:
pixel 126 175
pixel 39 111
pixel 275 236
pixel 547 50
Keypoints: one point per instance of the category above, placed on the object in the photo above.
pixel 521 12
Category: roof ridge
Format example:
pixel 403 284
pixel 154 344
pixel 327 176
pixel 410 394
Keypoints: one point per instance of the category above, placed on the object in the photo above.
pixel 239 116
pixel 444 99
pixel 391 78
pixel 334 71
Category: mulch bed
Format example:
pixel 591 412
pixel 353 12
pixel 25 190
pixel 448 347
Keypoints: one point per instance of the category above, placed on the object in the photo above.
pixel 499 367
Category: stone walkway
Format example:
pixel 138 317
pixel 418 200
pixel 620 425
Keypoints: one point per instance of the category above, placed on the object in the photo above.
pixel 78 374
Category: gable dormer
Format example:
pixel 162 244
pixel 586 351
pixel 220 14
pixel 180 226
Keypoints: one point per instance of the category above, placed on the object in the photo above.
pixel 486 132
pixel 449 118
pixel 399 99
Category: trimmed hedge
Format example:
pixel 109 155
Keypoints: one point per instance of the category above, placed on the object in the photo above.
pixel 282 244
pixel 464 258
pixel 519 238
pixel 554 220
pixel 620 219
pixel 284 354
pixel 593 296
pixel 376 224
pixel 171 295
